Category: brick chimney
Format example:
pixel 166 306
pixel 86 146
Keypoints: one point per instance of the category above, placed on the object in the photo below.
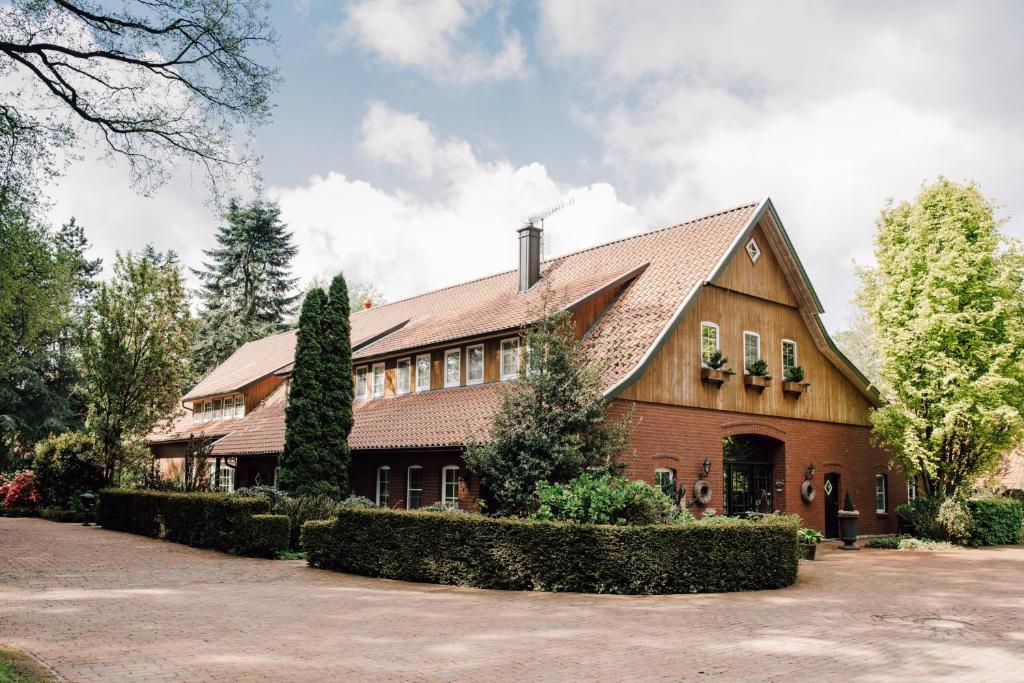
pixel 529 256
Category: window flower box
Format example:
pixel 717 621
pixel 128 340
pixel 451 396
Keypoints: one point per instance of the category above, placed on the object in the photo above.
pixel 756 383
pixel 794 389
pixel 713 376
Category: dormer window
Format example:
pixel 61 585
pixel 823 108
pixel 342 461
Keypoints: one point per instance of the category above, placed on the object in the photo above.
pixel 453 367
pixel 361 382
pixel 509 359
pixel 378 380
pixel 423 372
pixel 403 374
pixel 753 251
pixel 475 364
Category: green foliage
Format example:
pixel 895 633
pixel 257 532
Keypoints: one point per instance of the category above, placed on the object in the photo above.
pixel 601 498
pixel 810 536
pixel 135 344
pixel 303 509
pixel 938 519
pixel 919 544
pixel 67 516
pixel 884 542
pixel 224 522
pixel 357 502
pixel 716 361
pixel 793 373
pixel 336 411
pixel 515 554
pixel 247 289
pixel 551 424
pixel 995 521
pixel 45 279
pixel 948 313
pixel 759 368
pixel 66 466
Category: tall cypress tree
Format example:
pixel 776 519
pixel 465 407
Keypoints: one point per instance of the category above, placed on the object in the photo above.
pixel 306 466
pixel 337 379
pixel 247 289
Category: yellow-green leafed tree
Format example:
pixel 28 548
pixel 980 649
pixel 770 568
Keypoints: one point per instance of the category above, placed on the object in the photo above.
pixel 947 305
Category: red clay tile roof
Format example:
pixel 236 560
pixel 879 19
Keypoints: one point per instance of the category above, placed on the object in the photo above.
pixel 678 259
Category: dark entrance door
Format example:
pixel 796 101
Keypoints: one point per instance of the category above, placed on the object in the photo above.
pixel 748 476
pixel 832 505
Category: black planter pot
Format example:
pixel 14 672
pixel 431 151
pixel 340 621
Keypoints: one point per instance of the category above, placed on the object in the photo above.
pixel 848 529
pixel 809 550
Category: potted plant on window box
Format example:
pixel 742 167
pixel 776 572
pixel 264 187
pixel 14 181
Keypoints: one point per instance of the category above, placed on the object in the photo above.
pixel 809 540
pixel 793 381
pixel 848 517
pixel 757 377
pixel 714 370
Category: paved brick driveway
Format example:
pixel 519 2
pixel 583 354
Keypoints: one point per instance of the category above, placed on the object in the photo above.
pixel 100 605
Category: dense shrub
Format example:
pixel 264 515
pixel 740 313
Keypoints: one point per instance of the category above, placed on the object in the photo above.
pixel 884 542
pixel 263 536
pixel 600 498
pixel 357 502
pixel 66 466
pixel 66 516
pixel 516 554
pixel 995 521
pixel 19 491
pixel 18 512
pixel 938 519
pixel 204 520
pixel 273 495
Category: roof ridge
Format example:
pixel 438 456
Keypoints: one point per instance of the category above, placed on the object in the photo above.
pixel 564 256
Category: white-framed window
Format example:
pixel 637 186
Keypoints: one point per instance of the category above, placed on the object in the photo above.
pixel 197 412
pixel 753 251
pixel 709 340
pixel 509 359
pixel 207 411
pixel 911 489
pixel 239 406
pixel 789 358
pixel 881 493
pixel 475 364
pixel 665 479
pixel 452 367
pixel 450 485
pixel 226 482
pixel 403 375
pixel 362 373
pixel 751 350
pixel 218 410
pixel 423 372
pixel 414 487
pixel 378 380
pixel 383 485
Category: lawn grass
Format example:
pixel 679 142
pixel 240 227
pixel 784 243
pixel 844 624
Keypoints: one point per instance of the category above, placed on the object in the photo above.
pixel 16 667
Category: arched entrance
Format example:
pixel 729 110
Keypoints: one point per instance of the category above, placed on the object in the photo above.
pixel 748 462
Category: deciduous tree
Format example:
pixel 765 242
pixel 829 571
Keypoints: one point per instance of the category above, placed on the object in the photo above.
pixel 135 354
pixel 947 304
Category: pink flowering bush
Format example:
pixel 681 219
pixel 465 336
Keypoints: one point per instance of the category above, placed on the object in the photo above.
pixel 20 491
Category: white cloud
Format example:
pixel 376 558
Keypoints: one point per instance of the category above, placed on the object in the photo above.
pixel 406 244
pixel 432 35
pixel 828 108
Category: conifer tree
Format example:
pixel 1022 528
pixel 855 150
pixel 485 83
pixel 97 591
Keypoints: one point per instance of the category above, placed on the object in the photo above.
pixel 306 466
pixel 247 289
pixel 337 379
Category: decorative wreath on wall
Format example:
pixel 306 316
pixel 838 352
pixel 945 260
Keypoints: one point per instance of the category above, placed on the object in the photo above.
pixel 808 491
pixel 701 491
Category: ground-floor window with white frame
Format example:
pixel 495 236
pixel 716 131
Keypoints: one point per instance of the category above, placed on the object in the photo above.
pixel 450 485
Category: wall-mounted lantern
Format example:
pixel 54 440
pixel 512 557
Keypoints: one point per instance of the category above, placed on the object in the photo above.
pixel 707 467
pixel 810 471
pixel 778 485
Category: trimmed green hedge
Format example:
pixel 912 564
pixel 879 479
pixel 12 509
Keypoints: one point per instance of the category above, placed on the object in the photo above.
pixel 512 554
pixel 67 516
pixel 995 521
pixel 203 520
pixel 19 512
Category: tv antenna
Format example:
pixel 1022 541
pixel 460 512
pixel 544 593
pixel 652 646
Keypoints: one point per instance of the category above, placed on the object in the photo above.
pixel 537 220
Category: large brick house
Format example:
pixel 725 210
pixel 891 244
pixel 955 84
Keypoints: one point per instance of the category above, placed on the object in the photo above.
pixel 428 372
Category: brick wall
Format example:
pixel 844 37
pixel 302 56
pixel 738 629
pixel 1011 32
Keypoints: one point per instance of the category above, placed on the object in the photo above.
pixel 364 475
pixel 680 438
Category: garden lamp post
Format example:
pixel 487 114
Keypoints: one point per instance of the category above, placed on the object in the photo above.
pixel 88 499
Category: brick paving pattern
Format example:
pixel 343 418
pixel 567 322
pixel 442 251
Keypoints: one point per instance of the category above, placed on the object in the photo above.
pixel 100 605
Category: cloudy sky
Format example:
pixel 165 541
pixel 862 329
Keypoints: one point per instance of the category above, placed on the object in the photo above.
pixel 410 137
